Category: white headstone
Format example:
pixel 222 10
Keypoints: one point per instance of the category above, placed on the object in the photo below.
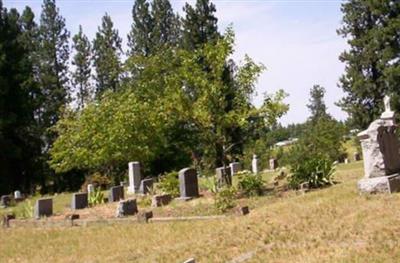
pixel 135 177
pixel 17 195
pixel 254 164
pixel 90 188
pixel 388 113
pixel 235 168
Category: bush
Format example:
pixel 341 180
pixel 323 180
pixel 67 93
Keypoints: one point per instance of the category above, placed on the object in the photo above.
pixel 250 184
pixel 97 180
pixel 316 171
pixel 225 199
pixel 169 184
pixel 210 184
pixel 96 197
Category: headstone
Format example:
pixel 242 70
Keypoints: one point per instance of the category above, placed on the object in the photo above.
pixel 90 188
pixel 126 208
pixel 143 217
pixel 380 147
pixel 79 201
pixel 17 195
pixel 273 164
pixel 146 185
pixel 254 164
pixel 235 168
pixel 244 210
pixel 346 160
pixel 43 207
pixel 161 200
pixel 223 176
pixel 116 194
pixel 357 157
pixel 188 183
pixel 135 177
pixel 5 201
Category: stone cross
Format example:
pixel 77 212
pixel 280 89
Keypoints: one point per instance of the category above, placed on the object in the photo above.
pixel 254 164
pixel 135 177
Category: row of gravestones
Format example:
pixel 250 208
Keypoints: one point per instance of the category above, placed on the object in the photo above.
pixel 5 200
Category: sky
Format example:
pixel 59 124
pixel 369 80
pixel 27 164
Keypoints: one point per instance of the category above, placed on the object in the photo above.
pixel 295 39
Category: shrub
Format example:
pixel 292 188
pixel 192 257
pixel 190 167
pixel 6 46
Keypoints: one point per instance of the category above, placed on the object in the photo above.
pixel 210 184
pixel 225 199
pixel 250 184
pixel 316 171
pixel 96 197
pixel 98 180
pixel 27 209
pixel 169 184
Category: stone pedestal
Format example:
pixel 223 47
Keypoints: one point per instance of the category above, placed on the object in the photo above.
pixel 135 177
pixel 383 184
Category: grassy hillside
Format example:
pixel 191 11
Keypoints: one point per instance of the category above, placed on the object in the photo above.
pixel 328 225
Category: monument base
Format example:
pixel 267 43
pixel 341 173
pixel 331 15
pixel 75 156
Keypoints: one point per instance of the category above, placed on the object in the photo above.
pixel 384 184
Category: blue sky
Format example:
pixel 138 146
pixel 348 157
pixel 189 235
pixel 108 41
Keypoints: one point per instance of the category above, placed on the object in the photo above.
pixel 295 40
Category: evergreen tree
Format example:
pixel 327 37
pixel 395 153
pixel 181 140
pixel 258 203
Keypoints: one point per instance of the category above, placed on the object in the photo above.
pixel 317 105
pixel 372 62
pixel 166 25
pixel 82 71
pixel 140 36
pixel 16 118
pixel 106 53
pixel 200 24
pixel 53 57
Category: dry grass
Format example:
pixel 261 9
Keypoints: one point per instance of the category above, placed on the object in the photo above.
pixel 335 224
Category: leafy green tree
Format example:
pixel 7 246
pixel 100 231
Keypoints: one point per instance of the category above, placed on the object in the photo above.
pixel 317 105
pixel 200 24
pixel 82 72
pixel 140 36
pixel 106 57
pixel 372 61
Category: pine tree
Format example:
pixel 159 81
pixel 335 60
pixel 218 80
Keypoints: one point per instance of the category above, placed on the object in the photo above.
pixel 106 57
pixel 53 57
pixel 200 24
pixel 372 62
pixel 317 105
pixel 16 118
pixel 166 25
pixel 82 71
pixel 140 36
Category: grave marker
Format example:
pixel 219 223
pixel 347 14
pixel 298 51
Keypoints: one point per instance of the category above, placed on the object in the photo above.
pixel 223 176
pixel 116 194
pixel 79 201
pixel 135 177
pixel 188 183
pixel 43 207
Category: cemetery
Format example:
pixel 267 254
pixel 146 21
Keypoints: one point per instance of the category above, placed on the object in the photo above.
pixel 142 131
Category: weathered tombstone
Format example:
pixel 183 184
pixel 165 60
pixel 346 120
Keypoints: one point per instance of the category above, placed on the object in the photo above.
pixel 116 194
pixel 254 164
pixel 5 201
pixel 273 164
pixel 43 207
pixel 346 161
pixel 380 147
pixel 188 183
pixel 146 185
pixel 235 168
pixel 224 176
pixel 135 177
pixel 126 208
pixel 79 201
pixel 90 188
pixel 357 157
pixel 161 200
pixel 17 195
pixel 144 217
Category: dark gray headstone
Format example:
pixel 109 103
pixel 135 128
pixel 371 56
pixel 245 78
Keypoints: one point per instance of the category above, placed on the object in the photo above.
pixel 116 194
pixel 79 201
pixel 389 146
pixel 224 176
pixel 5 200
pixel 357 157
pixel 160 200
pixel 143 217
pixel 146 185
pixel 43 207
pixel 127 208
pixel 273 164
pixel 188 183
